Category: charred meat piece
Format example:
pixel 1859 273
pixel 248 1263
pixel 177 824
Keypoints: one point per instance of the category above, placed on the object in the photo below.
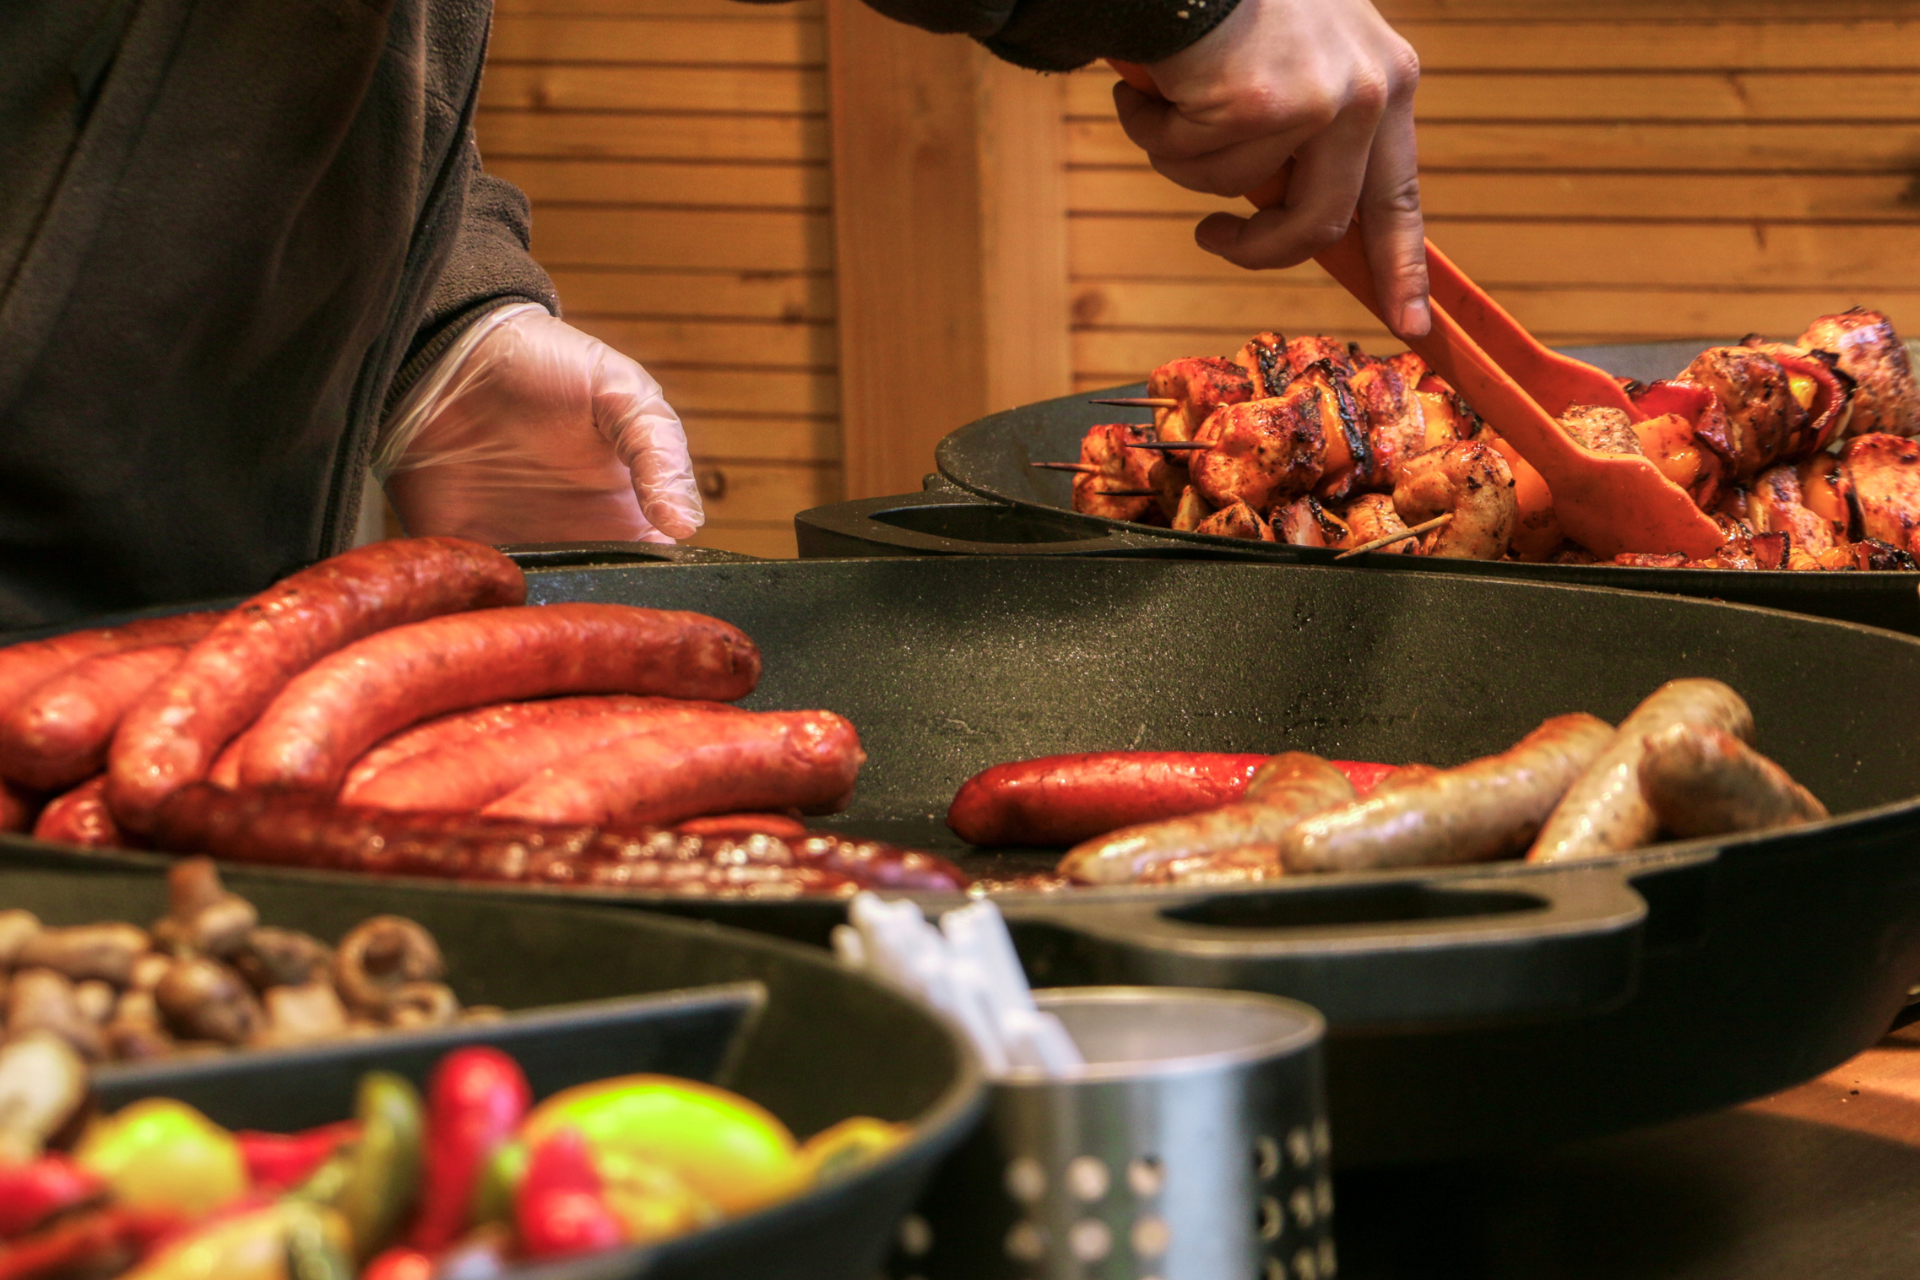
pixel 1883 480
pixel 1774 505
pixel 1265 452
pixel 1396 429
pixel 1601 429
pixel 1305 523
pixel 1191 511
pixel 1817 384
pixel 1264 357
pixel 1121 469
pixel 1305 352
pixel 1236 521
pixel 1867 554
pixel 1867 349
pixel 1472 481
pixel 1350 466
pixel 1201 384
pixel 1371 516
pixel 1764 417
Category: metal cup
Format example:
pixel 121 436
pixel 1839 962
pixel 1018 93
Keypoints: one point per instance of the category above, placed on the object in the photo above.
pixel 1193 1146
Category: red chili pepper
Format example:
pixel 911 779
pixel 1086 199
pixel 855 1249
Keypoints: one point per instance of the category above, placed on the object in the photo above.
pixel 399 1263
pixel 104 1242
pixel 32 1193
pixel 474 1102
pixel 560 1208
pixel 277 1161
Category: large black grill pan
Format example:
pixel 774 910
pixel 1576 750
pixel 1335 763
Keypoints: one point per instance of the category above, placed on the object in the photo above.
pixel 1019 509
pixel 1470 1008
pixel 779 1023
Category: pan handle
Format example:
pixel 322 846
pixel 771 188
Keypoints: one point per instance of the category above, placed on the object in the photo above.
pixel 1366 951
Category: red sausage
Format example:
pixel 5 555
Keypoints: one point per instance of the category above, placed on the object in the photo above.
pixel 743 824
pixel 81 817
pixel 1067 799
pixel 58 734
pixel 465 726
pixel 17 808
pixel 461 777
pixel 291 829
pixel 804 760
pixel 170 737
pixel 23 667
pixel 324 719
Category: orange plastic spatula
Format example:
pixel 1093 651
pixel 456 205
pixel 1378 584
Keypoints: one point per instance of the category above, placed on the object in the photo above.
pixel 1606 502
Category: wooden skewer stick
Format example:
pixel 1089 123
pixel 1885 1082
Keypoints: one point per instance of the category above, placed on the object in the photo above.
pixel 1141 402
pixel 1085 468
pixel 1170 446
pixel 1125 493
pixel 1401 536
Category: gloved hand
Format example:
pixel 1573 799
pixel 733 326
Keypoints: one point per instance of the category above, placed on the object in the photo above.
pixel 528 430
pixel 1326 82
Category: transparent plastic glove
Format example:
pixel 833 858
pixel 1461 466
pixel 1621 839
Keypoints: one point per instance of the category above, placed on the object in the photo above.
pixel 528 430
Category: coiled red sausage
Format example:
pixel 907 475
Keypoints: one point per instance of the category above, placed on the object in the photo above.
pixel 324 719
pixel 23 667
pixel 171 736
pixel 81 817
pixel 58 734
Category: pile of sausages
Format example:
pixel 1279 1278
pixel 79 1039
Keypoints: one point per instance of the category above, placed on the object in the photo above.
pixel 403 695
pixel 1576 787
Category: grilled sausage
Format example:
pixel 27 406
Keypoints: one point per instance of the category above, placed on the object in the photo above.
pixel 58 734
pixel 171 736
pixel 1704 781
pixel 464 726
pixel 462 777
pixel 24 667
pixel 1484 809
pixel 323 720
pixel 1604 811
pixel 1247 864
pixel 743 824
pixel 1288 788
pixel 294 829
pixel 804 760
pixel 17 808
pixel 81 817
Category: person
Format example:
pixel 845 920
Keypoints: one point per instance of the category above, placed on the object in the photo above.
pixel 249 250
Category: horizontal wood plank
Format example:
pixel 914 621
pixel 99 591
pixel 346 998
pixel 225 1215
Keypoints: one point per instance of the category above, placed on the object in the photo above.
pixel 664 136
pixel 1868 257
pixel 771 14
pixel 1629 197
pixel 1595 95
pixel 768 541
pixel 567 87
pixel 767 438
pixel 1689 147
pixel 763 492
pixel 733 40
pixel 1307 302
pixel 746 346
pixel 738 295
pixel 681 239
pixel 1738 42
pixel 662 183
pixel 703 389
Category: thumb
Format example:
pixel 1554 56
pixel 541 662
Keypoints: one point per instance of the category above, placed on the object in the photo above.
pixel 630 410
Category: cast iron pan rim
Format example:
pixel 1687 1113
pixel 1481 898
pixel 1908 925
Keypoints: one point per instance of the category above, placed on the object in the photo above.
pixel 1286 554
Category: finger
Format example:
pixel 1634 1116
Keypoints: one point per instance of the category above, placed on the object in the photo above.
pixel 1327 180
pixel 634 416
pixel 1391 225
pixel 1190 130
pixel 1235 170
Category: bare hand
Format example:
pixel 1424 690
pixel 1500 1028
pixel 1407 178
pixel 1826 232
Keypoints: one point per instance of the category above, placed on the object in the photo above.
pixel 1326 83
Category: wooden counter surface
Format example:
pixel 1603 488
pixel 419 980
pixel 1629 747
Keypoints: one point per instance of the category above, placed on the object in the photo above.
pixel 1822 1180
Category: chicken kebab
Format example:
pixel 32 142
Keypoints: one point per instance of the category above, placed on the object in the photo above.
pixel 1804 453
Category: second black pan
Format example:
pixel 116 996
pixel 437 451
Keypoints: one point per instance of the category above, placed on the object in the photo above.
pixel 989 460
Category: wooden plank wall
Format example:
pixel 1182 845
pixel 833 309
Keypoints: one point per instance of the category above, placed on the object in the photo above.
pixel 1616 169
pixel 676 153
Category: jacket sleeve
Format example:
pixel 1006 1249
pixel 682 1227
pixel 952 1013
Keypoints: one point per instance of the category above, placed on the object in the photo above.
pixel 489 266
pixel 1059 35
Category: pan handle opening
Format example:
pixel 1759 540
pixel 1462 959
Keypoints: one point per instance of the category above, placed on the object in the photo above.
pixel 1353 904
pixel 978 522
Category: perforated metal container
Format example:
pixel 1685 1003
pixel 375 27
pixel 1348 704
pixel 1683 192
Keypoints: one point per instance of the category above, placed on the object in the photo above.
pixel 1194 1146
